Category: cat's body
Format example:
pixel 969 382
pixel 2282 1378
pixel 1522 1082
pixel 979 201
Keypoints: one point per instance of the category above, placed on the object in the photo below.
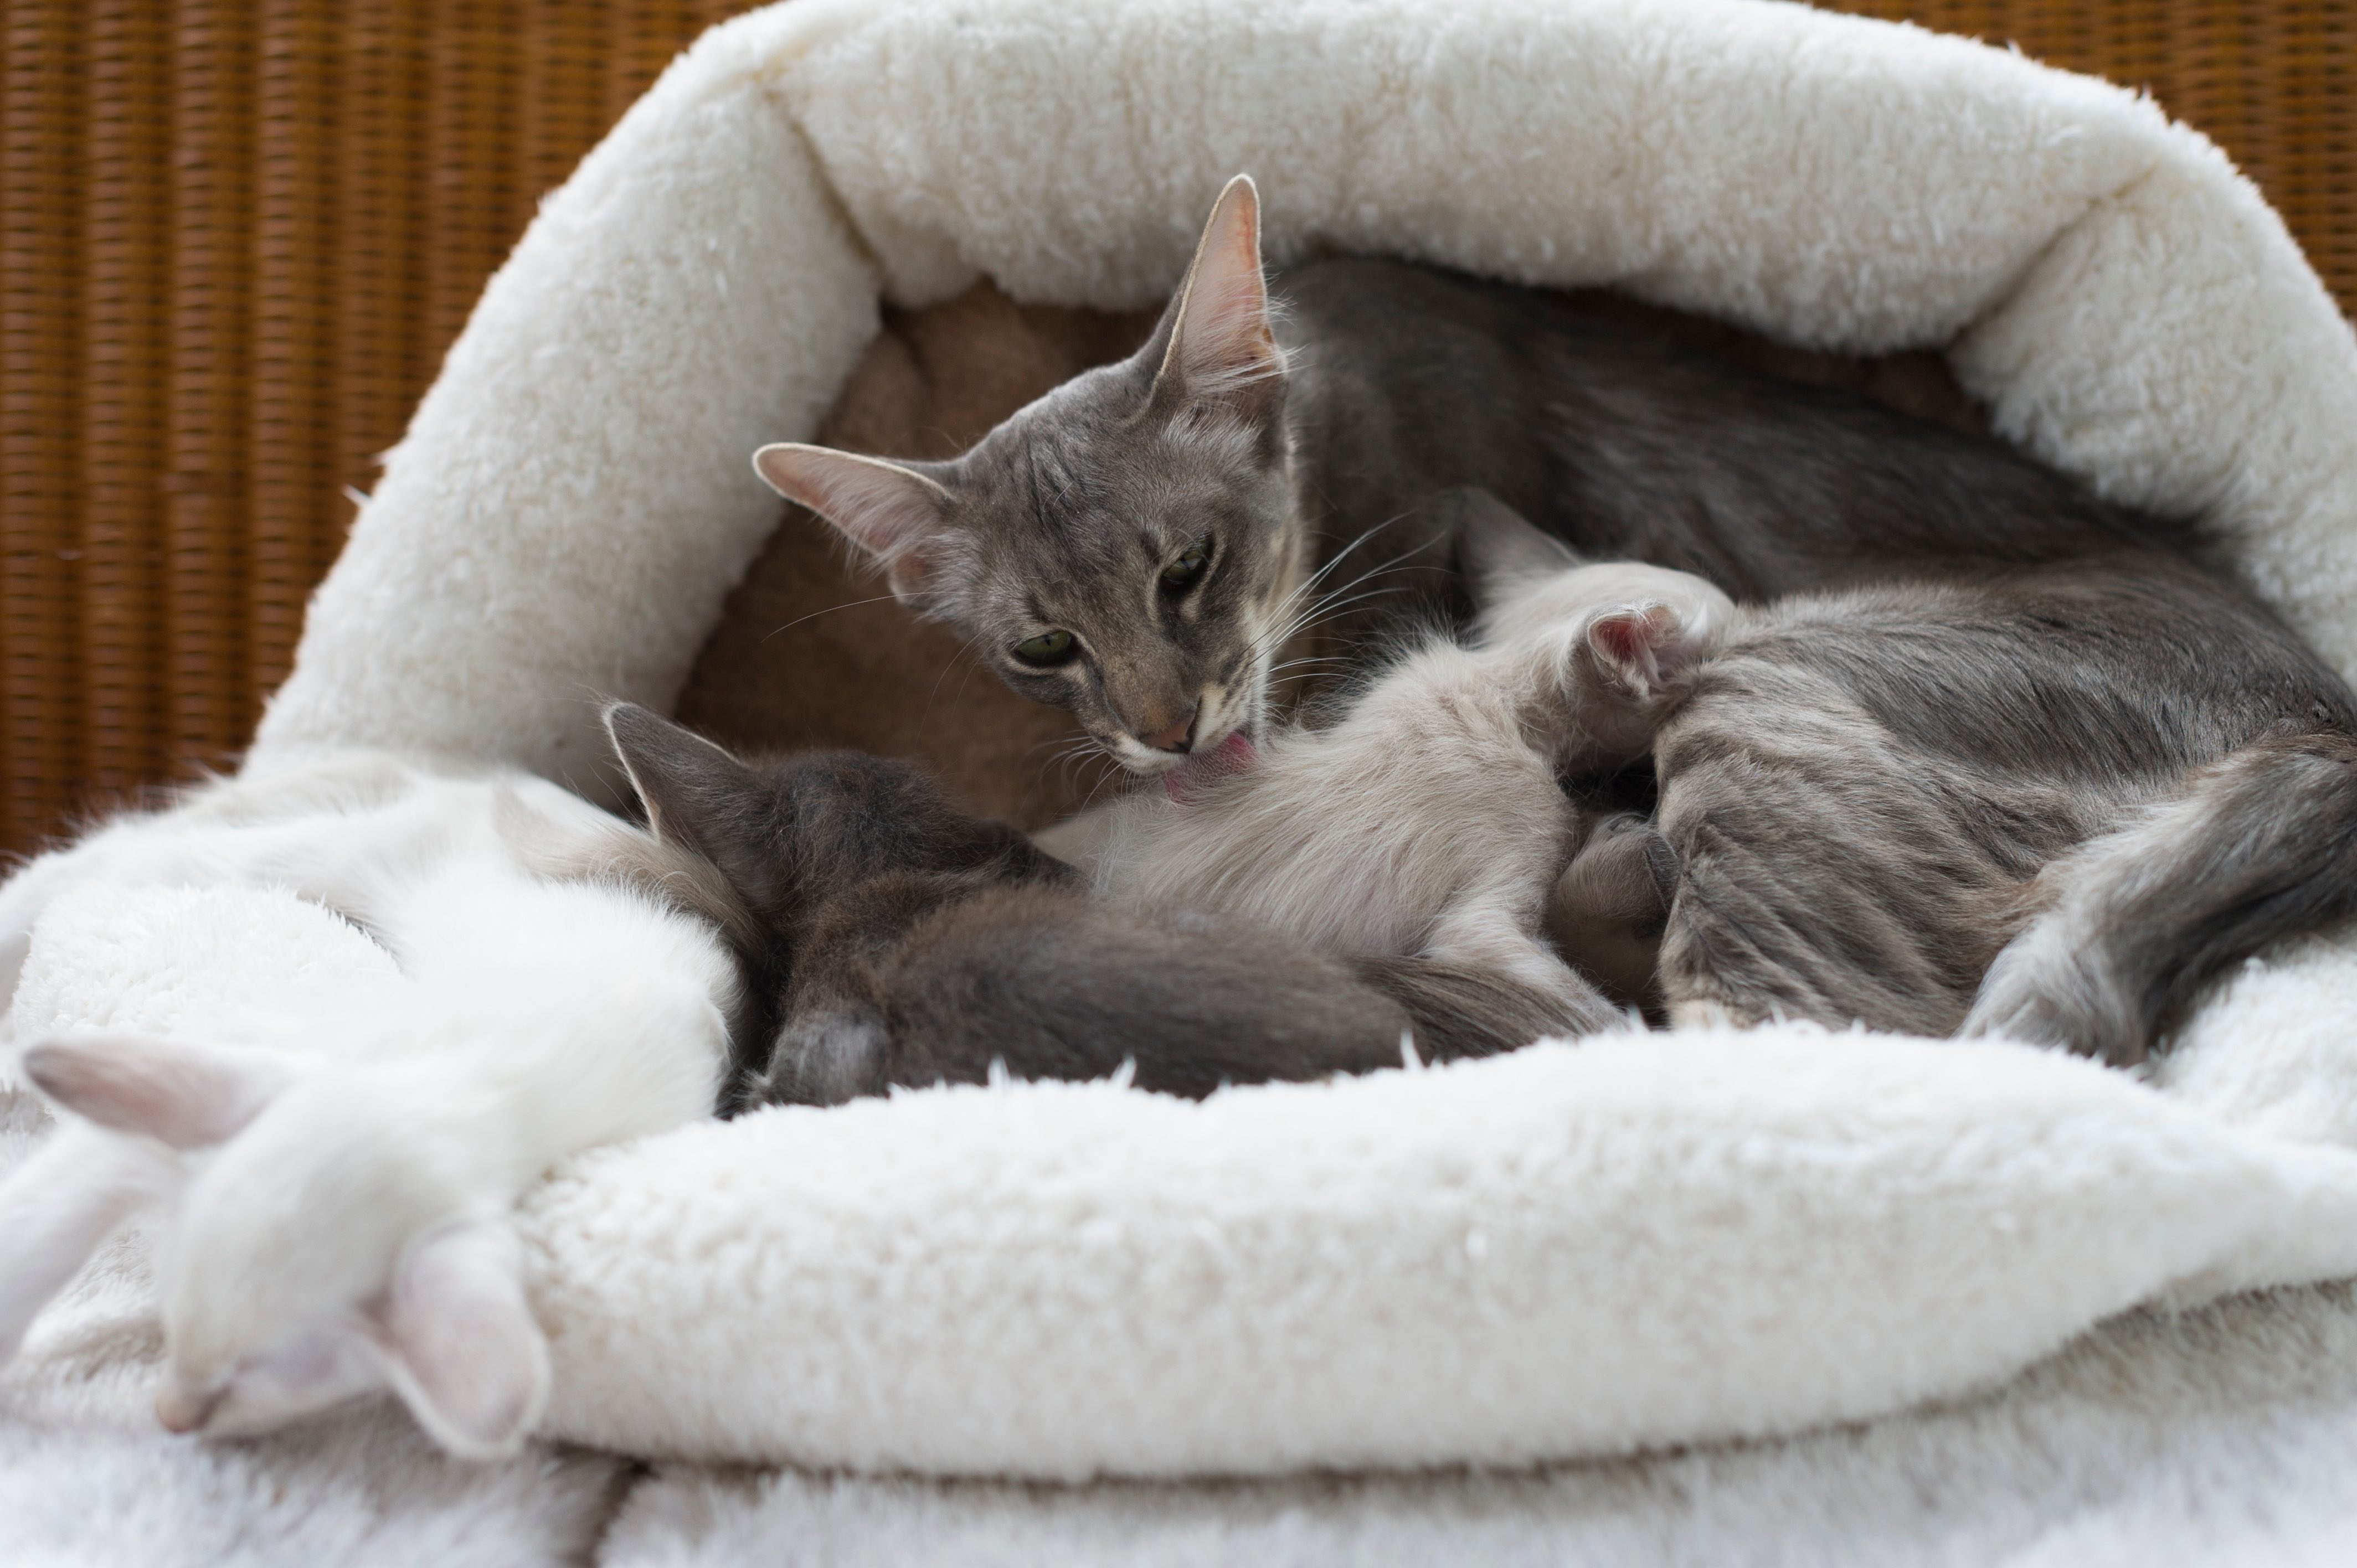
pixel 2047 801
pixel 338 1182
pixel 1617 438
pixel 902 942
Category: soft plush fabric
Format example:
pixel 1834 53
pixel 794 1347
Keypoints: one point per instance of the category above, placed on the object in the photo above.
pixel 87 1477
pixel 1587 1251
pixel 2225 1434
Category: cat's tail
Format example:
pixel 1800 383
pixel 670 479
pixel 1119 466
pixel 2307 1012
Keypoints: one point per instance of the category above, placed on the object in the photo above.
pixel 2262 844
pixel 1461 1010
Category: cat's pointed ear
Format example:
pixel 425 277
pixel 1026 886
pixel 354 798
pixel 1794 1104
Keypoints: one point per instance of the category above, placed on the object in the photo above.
pixel 188 1096
pixel 1650 652
pixel 892 512
pixel 698 796
pixel 459 1344
pixel 1218 344
pixel 1500 552
pixel 1634 647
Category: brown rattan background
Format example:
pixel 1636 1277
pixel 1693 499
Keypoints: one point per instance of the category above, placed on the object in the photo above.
pixel 237 235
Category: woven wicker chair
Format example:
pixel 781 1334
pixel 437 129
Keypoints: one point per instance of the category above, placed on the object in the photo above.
pixel 237 235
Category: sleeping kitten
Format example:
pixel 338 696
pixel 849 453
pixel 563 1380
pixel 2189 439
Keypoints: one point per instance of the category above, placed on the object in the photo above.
pixel 1427 819
pixel 1140 544
pixel 338 1185
pixel 2047 801
pixel 901 941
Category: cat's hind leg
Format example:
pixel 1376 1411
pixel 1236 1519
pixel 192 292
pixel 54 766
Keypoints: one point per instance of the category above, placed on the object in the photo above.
pixel 1825 873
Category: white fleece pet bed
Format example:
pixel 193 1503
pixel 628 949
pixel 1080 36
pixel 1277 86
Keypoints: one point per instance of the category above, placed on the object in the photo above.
pixel 1630 1244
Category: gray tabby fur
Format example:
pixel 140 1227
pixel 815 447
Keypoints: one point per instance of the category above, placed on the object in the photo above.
pixel 2048 801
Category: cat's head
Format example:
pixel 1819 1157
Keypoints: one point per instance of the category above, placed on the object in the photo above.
pixel 785 834
pixel 1122 547
pixel 314 1252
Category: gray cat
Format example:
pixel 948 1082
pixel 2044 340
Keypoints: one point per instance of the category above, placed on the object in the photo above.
pixel 2049 801
pixel 890 938
pixel 1138 545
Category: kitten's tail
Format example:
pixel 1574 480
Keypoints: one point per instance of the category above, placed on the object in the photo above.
pixel 1459 1010
pixel 2262 844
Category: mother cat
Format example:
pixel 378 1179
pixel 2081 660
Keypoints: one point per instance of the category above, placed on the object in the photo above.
pixel 1136 546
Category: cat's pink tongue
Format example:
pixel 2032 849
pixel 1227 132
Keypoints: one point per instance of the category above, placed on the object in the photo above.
pixel 1230 756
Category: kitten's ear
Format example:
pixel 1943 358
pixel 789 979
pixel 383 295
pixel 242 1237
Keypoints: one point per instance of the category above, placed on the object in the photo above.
pixel 459 1344
pixel 697 796
pixel 891 511
pixel 1218 343
pixel 189 1097
pixel 1643 652
pixel 1499 551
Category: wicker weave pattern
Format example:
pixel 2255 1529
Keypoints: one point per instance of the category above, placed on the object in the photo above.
pixel 236 237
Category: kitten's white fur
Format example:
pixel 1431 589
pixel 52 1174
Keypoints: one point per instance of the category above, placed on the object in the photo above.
pixel 338 1187
pixel 1429 819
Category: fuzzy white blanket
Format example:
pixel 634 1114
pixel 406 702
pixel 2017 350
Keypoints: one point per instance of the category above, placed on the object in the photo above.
pixel 1631 1244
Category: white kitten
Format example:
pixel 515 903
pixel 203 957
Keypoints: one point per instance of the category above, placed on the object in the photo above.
pixel 340 1186
pixel 1429 819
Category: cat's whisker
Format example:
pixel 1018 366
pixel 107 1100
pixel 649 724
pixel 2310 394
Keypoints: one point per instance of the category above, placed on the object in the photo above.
pixel 828 611
pixel 1294 627
pixel 1280 671
pixel 963 649
pixel 1329 612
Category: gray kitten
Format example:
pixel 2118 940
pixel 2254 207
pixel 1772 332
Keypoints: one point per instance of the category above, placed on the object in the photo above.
pixel 890 938
pixel 1139 545
pixel 2051 801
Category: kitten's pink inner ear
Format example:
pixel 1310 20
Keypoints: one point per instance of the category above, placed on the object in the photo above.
pixel 189 1097
pixel 459 1343
pixel 1223 342
pixel 882 508
pixel 1628 644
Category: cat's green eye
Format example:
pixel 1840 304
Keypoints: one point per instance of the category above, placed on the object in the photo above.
pixel 1180 574
pixel 1047 647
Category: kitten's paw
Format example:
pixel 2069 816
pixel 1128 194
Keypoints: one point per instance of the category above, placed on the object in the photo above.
pixel 1704 1013
pixel 1607 911
pixel 825 1060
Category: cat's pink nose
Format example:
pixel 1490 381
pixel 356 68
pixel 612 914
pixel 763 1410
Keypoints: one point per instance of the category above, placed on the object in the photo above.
pixel 1178 737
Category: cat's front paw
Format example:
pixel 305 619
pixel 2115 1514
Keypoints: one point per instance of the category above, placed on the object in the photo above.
pixel 825 1058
